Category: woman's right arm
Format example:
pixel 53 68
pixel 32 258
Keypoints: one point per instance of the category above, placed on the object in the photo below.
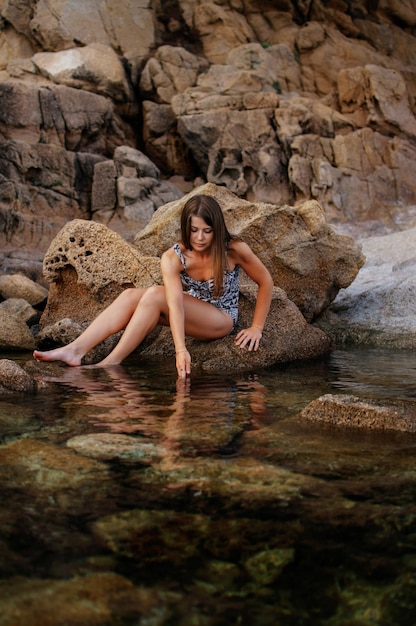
pixel 171 268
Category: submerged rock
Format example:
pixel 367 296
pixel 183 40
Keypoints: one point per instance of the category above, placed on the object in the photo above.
pixel 116 447
pixel 266 566
pixel 98 599
pixel 350 411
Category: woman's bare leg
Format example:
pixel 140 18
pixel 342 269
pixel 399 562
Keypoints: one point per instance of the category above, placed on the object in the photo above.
pixel 202 321
pixel 139 311
pixel 111 320
pixel 149 310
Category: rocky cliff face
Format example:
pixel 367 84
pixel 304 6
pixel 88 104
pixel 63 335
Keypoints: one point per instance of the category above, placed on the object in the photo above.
pixel 110 109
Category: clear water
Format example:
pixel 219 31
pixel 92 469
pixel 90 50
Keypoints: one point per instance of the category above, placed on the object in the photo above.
pixel 250 516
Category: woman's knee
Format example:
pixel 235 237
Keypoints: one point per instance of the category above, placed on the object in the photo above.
pixel 130 297
pixel 154 295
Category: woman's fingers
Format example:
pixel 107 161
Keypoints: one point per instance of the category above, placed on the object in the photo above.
pixel 249 338
pixel 183 364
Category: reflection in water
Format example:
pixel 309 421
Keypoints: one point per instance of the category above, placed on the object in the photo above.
pixel 375 373
pixel 250 517
pixel 204 416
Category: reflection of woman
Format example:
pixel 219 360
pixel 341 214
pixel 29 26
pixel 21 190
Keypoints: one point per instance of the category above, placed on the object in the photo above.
pixel 199 297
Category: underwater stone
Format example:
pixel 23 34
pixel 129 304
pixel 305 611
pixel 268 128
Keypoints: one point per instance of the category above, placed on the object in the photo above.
pixel 110 447
pixel 346 410
pixel 266 566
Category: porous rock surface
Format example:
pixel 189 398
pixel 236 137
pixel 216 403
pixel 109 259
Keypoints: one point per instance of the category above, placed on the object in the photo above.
pixel 239 94
pixel 88 264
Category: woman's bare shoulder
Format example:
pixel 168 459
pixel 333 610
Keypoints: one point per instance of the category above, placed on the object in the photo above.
pixel 239 250
pixel 170 259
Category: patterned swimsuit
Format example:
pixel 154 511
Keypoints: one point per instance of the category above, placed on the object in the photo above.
pixel 204 289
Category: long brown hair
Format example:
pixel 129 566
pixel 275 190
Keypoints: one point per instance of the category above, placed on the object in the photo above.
pixel 208 209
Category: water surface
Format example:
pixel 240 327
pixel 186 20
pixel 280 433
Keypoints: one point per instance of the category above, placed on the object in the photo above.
pixel 127 498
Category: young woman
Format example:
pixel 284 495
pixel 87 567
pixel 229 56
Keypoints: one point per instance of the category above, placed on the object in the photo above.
pixel 199 297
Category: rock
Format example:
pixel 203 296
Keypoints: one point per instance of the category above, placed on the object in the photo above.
pixel 62 332
pixel 352 172
pixel 307 138
pixel 127 190
pixel 14 333
pixel 349 411
pixel 377 309
pixel 243 97
pixel 14 378
pixel 170 71
pixel 126 28
pixel 51 139
pixel 399 10
pixel 232 69
pixel 378 96
pixel 117 447
pixel 61 115
pixel 66 330
pixel 41 178
pixel 89 263
pixel 41 468
pixel 232 106
pixel 20 308
pixel 83 599
pixel 23 262
pixel 317 43
pixel 95 67
pixel 286 337
pixel 19 286
pixel 293 242
pixel 162 142
pixel 266 566
pixel 221 29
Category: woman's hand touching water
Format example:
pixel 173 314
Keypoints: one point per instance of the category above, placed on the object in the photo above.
pixel 183 363
pixel 249 338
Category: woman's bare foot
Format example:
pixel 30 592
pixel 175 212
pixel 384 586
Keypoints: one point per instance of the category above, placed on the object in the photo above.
pixel 66 354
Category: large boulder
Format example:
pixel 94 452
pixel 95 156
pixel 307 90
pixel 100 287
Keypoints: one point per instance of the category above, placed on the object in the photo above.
pixel 307 258
pixel 87 265
pixel 90 264
pixel 377 309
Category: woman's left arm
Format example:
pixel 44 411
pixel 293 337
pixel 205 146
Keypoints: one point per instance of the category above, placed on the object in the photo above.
pixel 254 268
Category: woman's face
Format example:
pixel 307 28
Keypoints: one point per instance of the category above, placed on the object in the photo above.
pixel 201 235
